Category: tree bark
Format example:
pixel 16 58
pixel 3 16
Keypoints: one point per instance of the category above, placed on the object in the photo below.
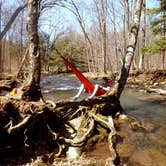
pixel 30 124
pixel 0 40
pixel 130 50
pixel 127 18
pixel 142 55
pixel 31 89
pixel 115 35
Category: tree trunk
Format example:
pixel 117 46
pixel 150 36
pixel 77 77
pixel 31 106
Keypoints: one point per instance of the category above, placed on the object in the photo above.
pixel 130 50
pixel 115 35
pixel 13 17
pixel 20 57
pixel 104 47
pixel 90 56
pixel 124 34
pixel 104 32
pixel 163 59
pixel 142 55
pixel 0 40
pixel 31 89
pixel 127 18
pixel 164 34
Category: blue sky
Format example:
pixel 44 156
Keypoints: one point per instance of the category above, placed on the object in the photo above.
pixel 66 18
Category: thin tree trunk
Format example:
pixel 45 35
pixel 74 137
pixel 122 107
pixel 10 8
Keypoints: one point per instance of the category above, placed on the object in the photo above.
pixel 127 16
pixel 0 40
pixel 21 39
pixel 87 39
pixel 142 55
pixel 164 52
pixel 104 47
pixel 163 60
pixel 101 8
pixel 124 34
pixel 130 50
pixel 13 17
pixel 115 35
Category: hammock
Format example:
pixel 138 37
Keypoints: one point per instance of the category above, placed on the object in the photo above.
pixel 89 87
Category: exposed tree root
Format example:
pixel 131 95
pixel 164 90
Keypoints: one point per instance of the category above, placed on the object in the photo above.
pixel 38 123
pixel 110 126
pixel 80 140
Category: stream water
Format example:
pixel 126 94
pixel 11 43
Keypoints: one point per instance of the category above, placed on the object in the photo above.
pixel 137 147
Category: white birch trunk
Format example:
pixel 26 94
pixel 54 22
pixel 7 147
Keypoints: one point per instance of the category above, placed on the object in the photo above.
pixel 130 50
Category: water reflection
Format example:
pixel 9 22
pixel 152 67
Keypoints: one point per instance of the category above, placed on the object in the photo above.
pixel 150 111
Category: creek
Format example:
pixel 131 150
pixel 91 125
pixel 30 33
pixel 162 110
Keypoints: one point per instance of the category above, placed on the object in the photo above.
pixel 135 146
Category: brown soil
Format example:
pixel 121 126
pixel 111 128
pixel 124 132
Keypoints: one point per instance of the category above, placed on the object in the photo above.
pixel 152 78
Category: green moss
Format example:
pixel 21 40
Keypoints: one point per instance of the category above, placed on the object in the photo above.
pixel 99 134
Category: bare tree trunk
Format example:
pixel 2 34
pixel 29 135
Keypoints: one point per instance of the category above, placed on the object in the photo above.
pixel 130 49
pixel 164 35
pixel 13 17
pixel 163 59
pixel 142 55
pixel 87 39
pixel 101 9
pixel 127 16
pixel 31 89
pixel 124 34
pixel 104 33
pixel 0 40
pixel 21 38
pixel 104 47
pixel 126 22
pixel 115 35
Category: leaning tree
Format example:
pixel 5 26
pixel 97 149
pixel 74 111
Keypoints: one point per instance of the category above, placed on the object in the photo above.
pixel 32 124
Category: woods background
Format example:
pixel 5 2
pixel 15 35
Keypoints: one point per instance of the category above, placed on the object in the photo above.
pixel 93 34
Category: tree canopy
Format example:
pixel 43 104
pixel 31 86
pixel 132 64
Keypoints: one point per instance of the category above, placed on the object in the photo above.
pixel 158 25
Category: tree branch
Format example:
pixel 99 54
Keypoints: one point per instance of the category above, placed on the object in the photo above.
pixel 13 17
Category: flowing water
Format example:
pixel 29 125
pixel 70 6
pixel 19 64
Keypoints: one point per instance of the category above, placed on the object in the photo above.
pixel 139 147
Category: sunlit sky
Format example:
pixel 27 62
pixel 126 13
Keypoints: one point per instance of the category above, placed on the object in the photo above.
pixel 64 17
pixel 68 19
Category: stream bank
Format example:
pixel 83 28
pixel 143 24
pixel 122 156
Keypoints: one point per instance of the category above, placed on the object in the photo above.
pixel 132 144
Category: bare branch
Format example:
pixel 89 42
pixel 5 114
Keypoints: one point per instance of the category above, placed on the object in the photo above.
pixel 10 22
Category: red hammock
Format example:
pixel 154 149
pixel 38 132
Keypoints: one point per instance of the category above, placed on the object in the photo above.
pixel 89 87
